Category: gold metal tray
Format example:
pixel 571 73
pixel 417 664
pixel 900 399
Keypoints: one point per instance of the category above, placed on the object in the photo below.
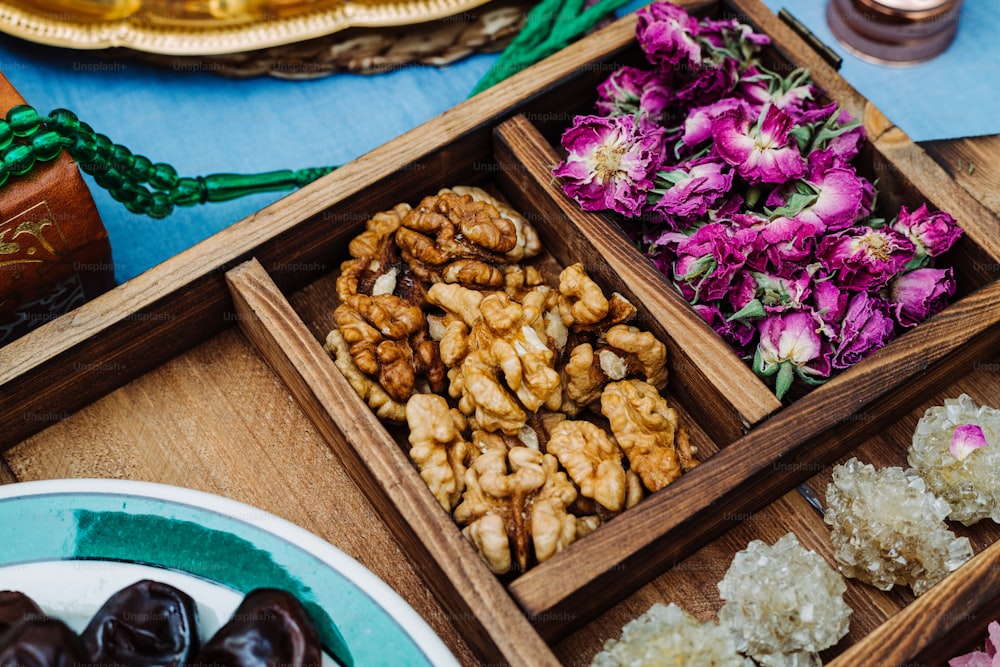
pixel 207 27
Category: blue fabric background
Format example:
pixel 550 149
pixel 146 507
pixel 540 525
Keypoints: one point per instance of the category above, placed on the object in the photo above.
pixel 954 95
pixel 203 123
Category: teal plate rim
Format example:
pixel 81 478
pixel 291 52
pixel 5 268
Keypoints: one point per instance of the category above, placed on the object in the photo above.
pixel 223 541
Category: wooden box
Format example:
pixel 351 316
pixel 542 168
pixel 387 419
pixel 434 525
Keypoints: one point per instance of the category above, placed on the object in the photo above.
pixel 273 276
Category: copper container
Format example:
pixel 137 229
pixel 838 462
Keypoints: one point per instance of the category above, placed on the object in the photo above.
pixel 894 32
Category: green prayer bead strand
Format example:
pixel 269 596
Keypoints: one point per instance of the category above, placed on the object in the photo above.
pixel 123 174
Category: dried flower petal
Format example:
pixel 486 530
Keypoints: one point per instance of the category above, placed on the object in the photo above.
pixel 988 658
pixel 967 437
pixel 918 294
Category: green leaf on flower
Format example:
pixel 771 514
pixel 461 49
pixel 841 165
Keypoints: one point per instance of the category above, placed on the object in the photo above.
pixel 754 308
pixel 795 204
pixel 809 379
pixel 783 381
pixel 758 366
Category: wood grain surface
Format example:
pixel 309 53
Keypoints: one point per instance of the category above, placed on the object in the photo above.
pixel 217 419
pixel 157 382
pixel 474 597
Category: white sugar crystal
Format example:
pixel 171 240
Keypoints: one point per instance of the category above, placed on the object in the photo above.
pixel 888 529
pixel 971 486
pixel 667 635
pixel 783 603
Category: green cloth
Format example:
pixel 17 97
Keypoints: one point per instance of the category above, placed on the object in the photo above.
pixel 551 26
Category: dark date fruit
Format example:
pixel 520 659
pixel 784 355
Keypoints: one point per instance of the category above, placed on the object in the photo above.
pixel 16 607
pixel 268 629
pixel 41 643
pixel 147 624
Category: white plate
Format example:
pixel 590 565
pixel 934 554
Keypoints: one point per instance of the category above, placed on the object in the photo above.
pixel 70 544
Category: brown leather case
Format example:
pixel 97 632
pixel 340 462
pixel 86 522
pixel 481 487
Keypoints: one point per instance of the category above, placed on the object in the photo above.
pixel 54 250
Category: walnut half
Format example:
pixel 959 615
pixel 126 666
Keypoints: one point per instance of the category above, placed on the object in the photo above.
pixel 514 506
pixel 648 431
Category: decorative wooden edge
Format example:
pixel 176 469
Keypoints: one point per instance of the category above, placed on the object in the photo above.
pixel 935 626
pixel 477 601
pixel 707 369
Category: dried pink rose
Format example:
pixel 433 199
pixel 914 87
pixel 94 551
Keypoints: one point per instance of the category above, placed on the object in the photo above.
pixel 831 195
pixel 790 345
pixel 918 294
pixel 667 34
pixel 759 148
pixel 708 260
pixel 690 190
pixel 700 120
pixel 829 303
pixel 990 657
pixel 864 259
pixel 932 233
pixel 867 326
pixel 610 163
pixel 630 91
pixel 831 128
pixel 737 333
pixel 709 82
pixel 782 244
pixel 794 94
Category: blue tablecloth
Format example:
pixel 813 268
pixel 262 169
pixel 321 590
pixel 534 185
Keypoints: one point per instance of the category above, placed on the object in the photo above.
pixel 954 95
pixel 202 123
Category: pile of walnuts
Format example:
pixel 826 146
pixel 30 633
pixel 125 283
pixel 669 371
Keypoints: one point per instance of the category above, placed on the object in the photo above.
pixel 534 411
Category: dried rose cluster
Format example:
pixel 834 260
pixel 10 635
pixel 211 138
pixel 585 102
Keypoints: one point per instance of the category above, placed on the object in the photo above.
pixel 989 657
pixel 738 184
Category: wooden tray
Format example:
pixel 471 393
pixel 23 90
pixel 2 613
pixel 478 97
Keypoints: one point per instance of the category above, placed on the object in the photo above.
pixel 271 274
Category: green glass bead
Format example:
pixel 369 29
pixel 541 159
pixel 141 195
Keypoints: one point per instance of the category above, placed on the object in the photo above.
pixel 164 177
pixel 62 121
pixel 23 120
pixel 6 134
pixel 19 159
pixel 187 193
pixel 121 157
pixel 3 176
pixel 109 179
pixel 126 193
pixel 86 129
pixel 81 146
pixel 93 167
pixel 103 145
pixel 46 144
pixel 142 169
pixel 161 206
pixel 141 203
